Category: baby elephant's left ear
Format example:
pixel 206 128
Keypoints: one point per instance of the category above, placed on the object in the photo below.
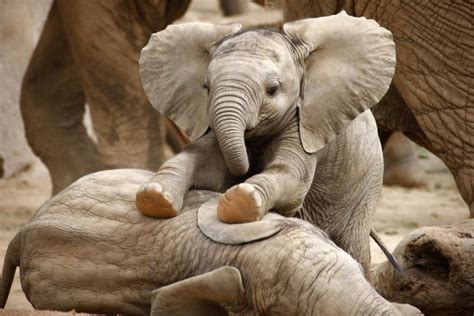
pixel 350 63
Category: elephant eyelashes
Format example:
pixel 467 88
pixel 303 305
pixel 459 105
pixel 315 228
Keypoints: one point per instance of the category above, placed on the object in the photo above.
pixel 205 86
pixel 272 90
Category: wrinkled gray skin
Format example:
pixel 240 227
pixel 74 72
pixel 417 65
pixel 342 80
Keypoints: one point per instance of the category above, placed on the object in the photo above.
pixel 438 263
pixel 284 118
pixel 430 99
pixel 88 249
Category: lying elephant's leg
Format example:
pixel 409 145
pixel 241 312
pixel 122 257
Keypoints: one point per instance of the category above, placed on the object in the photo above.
pixel 106 38
pixel 281 185
pixel 52 106
pixel 200 165
pixel 401 164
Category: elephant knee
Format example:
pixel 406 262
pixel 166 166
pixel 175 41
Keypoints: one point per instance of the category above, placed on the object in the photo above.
pixel 50 108
pixel 30 112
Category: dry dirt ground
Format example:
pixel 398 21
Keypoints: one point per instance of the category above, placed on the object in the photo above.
pixel 400 210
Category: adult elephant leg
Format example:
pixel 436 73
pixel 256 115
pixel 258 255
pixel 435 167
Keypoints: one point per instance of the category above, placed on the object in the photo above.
pixel 234 7
pixel 434 77
pixel 465 181
pixel 401 166
pixel 346 188
pixel 106 38
pixel 52 107
pixel 175 137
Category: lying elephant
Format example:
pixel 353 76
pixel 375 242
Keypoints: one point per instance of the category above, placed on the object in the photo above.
pixel 439 270
pixel 89 249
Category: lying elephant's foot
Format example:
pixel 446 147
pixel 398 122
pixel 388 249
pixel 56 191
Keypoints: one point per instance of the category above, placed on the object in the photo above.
pixel 153 201
pixel 241 203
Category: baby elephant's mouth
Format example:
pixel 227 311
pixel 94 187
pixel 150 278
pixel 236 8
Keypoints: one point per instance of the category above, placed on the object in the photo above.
pixel 268 126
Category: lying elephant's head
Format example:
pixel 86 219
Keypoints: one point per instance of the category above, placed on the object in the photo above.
pixel 252 82
pixel 277 265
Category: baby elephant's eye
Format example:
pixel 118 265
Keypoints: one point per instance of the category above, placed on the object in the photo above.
pixel 272 89
pixel 205 86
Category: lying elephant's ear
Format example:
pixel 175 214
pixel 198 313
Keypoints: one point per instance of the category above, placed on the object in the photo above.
pixel 350 63
pixel 205 294
pixel 234 234
pixel 173 67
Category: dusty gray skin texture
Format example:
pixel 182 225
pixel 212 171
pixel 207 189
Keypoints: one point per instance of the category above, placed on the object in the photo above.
pixel 290 129
pixel 438 264
pixel 89 249
pixel 88 53
pixel 430 99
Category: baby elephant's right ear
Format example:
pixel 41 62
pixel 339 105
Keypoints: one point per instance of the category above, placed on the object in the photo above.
pixel 173 67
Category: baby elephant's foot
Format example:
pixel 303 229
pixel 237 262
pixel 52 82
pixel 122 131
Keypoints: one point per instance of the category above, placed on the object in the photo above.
pixel 153 201
pixel 241 203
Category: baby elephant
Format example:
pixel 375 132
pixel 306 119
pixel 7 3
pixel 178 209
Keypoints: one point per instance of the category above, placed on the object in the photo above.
pixel 273 102
pixel 88 249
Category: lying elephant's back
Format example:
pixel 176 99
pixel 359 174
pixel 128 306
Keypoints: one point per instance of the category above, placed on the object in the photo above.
pixel 89 247
pixel 92 246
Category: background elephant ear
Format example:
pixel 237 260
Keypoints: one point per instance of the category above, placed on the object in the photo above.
pixel 205 294
pixel 350 63
pixel 173 67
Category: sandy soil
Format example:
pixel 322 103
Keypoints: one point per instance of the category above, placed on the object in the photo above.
pixel 400 210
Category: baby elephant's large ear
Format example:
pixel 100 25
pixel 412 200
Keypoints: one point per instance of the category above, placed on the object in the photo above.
pixel 350 63
pixel 173 67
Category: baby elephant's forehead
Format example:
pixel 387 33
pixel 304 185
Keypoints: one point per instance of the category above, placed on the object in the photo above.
pixel 264 43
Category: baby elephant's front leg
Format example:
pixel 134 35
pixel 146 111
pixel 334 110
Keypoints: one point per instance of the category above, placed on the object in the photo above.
pixel 162 196
pixel 281 186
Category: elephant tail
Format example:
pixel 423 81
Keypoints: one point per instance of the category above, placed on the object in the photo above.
pixel 391 258
pixel 12 260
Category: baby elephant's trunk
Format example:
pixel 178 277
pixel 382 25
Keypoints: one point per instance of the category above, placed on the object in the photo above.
pixel 229 126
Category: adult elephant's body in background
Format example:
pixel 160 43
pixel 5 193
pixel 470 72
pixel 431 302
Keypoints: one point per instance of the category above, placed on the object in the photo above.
pixel 430 99
pixel 88 52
